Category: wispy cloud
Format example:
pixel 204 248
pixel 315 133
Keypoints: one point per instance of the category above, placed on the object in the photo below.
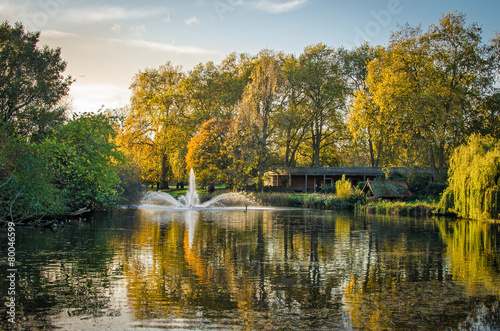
pixel 12 10
pixel 102 14
pixel 171 48
pixel 277 7
pixel 192 20
pixel 57 34
pixel 90 97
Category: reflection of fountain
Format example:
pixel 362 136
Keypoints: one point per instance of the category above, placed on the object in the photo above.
pixel 191 199
pixel 191 219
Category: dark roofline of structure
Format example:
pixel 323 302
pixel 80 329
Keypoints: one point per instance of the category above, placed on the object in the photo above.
pixel 371 171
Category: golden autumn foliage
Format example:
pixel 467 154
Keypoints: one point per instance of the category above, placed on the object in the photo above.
pixel 421 91
pixel 208 154
pixel 408 104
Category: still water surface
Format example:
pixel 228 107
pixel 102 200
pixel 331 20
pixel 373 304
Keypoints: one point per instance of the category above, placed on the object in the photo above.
pixel 227 269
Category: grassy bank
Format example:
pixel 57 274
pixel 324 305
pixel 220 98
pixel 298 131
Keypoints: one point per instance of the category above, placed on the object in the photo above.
pixel 316 201
pixel 357 203
pixel 402 208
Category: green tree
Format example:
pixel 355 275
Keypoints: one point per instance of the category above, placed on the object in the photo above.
pixel 84 162
pixel 293 118
pixel 26 189
pixel 398 83
pixel 259 108
pixel 461 75
pixel 319 77
pixel 486 118
pixel 31 81
pixel 214 91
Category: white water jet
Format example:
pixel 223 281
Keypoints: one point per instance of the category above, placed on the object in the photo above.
pixel 192 200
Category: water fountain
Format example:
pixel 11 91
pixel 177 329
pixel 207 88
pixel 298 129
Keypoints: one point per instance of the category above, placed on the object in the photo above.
pixel 191 199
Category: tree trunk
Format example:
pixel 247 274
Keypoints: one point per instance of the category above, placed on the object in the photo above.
pixel 432 163
pixel 163 174
pixel 316 145
pixel 288 161
pixel 372 156
pixel 441 160
pixel 379 154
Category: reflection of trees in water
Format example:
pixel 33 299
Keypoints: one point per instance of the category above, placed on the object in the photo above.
pixel 65 270
pixel 245 266
pixel 257 267
pixel 410 283
pixel 309 269
pixel 473 251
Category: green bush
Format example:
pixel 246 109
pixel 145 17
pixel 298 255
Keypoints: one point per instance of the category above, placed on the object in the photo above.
pixel 26 189
pixel 131 186
pixel 328 189
pixel 85 162
pixel 435 189
pixel 77 167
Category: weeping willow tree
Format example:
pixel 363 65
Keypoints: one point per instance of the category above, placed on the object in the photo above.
pixel 474 179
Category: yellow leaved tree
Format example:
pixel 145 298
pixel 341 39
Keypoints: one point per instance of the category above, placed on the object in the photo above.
pixel 151 133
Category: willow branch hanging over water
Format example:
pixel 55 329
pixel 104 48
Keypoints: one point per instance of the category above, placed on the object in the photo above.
pixel 474 179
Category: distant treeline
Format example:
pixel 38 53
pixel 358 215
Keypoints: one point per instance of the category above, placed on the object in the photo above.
pixel 408 104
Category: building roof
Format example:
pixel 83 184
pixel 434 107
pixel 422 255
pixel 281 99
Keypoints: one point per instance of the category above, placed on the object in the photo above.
pixel 387 189
pixel 348 171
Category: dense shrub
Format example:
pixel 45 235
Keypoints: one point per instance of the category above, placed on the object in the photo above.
pixel 77 167
pixel 131 185
pixel 343 188
pixel 401 208
pixel 328 189
pixel 85 162
pixel 26 189
pixel 421 185
pixel 316 201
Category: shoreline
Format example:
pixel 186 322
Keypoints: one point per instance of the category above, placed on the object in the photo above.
pixel 358 204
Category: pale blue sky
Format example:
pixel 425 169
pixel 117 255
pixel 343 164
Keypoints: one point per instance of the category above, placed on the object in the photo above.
pixel 106 42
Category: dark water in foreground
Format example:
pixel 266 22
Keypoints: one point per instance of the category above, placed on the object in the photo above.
pixel 262 269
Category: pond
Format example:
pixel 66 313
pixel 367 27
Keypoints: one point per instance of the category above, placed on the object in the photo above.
pixel 268 269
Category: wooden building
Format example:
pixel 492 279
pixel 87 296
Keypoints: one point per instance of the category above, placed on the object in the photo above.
pixel 309 179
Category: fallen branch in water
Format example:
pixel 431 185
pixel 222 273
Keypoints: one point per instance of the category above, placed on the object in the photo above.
pixel 79 212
